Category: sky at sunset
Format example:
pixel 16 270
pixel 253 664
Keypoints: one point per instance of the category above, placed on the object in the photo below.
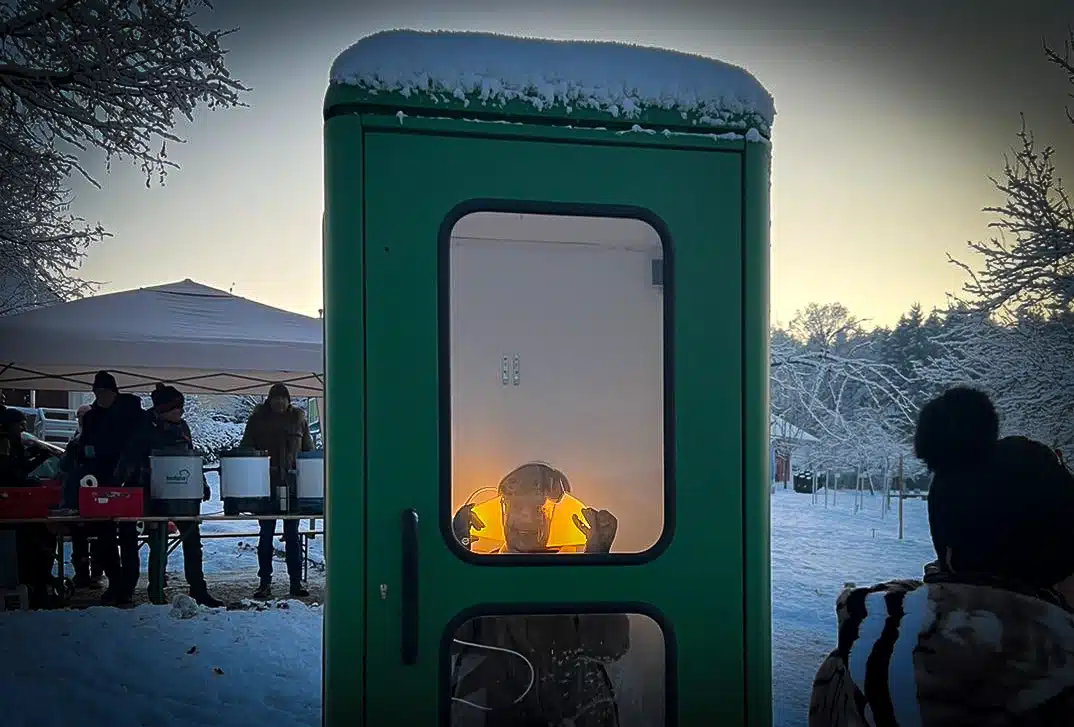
pixel 890 117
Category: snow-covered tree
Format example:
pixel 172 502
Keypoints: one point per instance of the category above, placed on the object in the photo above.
pixel 829 379
pixel 1028 268
pixel 1011 333
pixel 829 327
pixel 1024 364
pixel 825 372
pixel 79 75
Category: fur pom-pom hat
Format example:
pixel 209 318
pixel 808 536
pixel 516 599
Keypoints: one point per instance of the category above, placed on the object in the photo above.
pixel 1001 507
pixel 167 398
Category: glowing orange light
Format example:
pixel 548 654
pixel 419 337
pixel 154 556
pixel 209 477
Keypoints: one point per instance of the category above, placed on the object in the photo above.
pixel 563 536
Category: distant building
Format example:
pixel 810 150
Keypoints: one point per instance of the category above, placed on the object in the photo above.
pixel 785 440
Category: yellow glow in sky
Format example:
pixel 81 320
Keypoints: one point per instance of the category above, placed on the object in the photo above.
pixel 873 181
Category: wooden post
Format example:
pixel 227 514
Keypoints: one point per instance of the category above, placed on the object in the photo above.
pixel 827 487
pixel 884 501
pixel 902 494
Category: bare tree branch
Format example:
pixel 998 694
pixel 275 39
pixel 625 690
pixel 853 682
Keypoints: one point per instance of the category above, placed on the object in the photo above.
pixel 75 75
pixel 1012 332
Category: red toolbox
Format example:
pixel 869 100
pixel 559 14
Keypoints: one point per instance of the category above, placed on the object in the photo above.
pixel 32 501
pixel 111 501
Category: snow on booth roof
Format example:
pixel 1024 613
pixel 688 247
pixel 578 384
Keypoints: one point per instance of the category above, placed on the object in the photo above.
pixel 555 77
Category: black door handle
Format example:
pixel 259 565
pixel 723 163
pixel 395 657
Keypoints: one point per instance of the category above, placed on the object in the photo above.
pixel 410 587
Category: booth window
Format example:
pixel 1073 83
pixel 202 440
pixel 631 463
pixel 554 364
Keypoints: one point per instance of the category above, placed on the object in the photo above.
pixel 556 368
pixel 556 669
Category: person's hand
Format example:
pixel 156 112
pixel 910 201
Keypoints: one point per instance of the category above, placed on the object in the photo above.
pixel 464 520
pixel 598 527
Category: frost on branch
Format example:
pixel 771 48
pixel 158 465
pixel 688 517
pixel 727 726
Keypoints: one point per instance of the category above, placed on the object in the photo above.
pixel 1064 59
pixel 1012 334
pixel 1024 364
pixel 829 379
pixel 78 75
pixel 1029 268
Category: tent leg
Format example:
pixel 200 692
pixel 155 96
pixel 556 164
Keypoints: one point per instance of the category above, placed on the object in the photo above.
pixel 156 571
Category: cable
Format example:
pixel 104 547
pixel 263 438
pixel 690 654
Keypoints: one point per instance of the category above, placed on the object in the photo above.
pixel 477 492
pixel 529 665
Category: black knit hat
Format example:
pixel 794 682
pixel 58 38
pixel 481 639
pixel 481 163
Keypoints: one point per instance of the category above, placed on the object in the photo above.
pixel 166 398
pixel 1004 507
pixel 106 381
pixel 279 390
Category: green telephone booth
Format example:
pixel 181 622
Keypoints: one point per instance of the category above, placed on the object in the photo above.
pixel 546 283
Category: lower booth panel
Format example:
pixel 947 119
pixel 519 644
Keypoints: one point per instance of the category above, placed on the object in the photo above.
pixel 582 669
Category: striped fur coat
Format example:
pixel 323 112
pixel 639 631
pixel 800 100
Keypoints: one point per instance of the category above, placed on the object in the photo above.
pixel 941 653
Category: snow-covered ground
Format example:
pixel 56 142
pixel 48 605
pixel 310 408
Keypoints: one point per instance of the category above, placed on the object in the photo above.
pixel 815 550
pixel 137 667
pixel 151 666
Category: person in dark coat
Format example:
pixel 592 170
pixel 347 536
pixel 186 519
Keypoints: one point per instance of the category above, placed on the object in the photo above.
pixel 163 427
pixel 14 460
pixel 35 544
pixel 280 429
pixel 106 430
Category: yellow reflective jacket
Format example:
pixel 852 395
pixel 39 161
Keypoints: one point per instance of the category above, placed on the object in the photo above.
pixel 564 536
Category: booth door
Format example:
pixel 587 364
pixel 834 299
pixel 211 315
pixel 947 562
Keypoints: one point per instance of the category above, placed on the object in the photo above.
pixel 570 314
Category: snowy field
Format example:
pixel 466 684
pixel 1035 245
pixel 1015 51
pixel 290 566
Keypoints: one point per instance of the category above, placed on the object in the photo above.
pixel 815 550
pixel 151 666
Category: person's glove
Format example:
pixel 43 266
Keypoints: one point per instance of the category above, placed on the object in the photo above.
pixel 206 493
pixel 598 527
pixel 464 520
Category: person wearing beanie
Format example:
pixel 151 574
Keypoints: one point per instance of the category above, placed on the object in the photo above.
pixel 106 431
pixel 106 428
pixel 163 428
pixel 280 429
pixel 986 637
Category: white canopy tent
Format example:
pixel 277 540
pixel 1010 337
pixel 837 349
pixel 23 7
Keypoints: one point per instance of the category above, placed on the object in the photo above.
pixel 202 340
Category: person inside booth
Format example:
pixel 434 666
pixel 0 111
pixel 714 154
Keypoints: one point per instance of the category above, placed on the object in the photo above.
pixel 163 427
pixel 537 670
pixel 534 512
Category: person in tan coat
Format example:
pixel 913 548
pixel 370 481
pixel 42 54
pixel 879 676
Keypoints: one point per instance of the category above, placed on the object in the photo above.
pixel 986 637
pixel 282 430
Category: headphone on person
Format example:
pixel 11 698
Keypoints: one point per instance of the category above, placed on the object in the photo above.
pixel 553 483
